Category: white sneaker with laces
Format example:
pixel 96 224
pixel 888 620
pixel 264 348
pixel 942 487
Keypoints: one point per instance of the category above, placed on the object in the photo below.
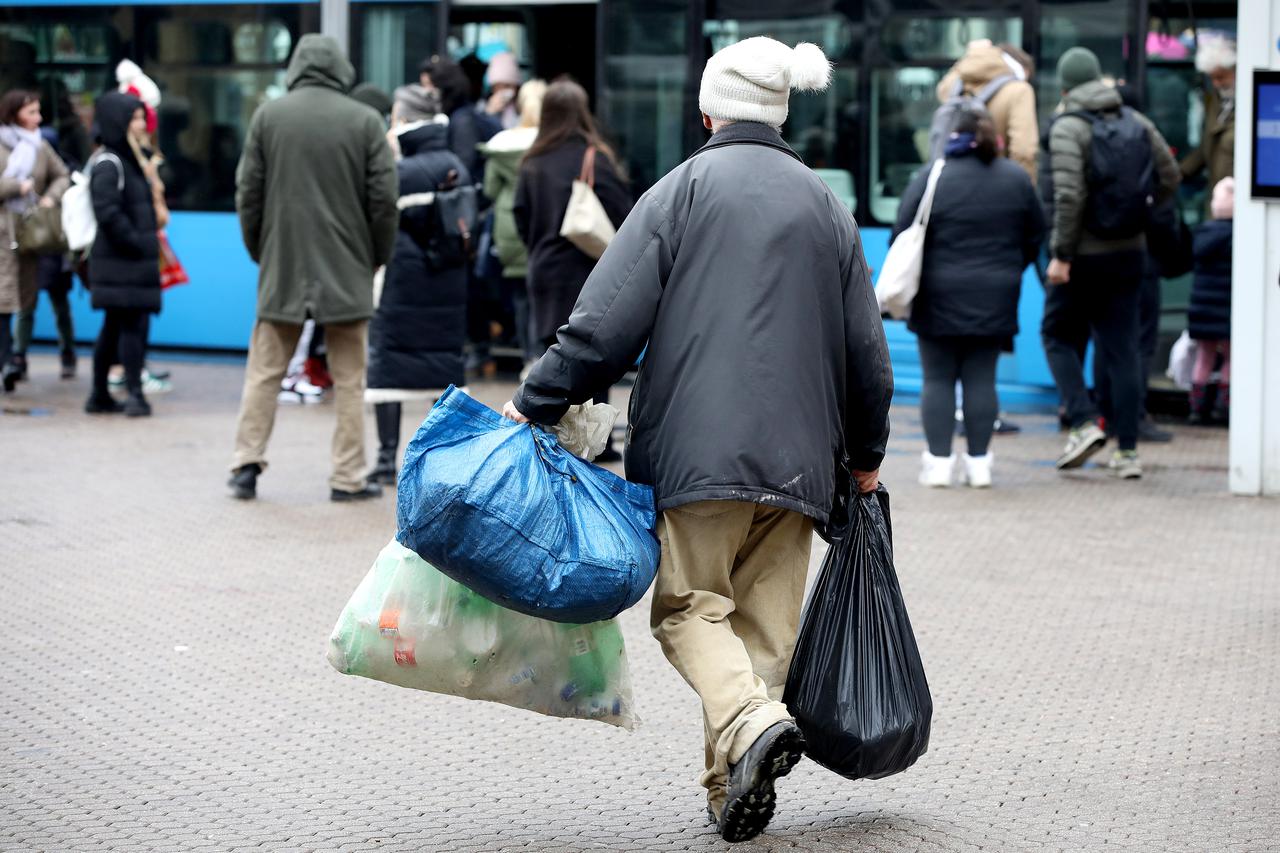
pixel 977 470
pixel 935 471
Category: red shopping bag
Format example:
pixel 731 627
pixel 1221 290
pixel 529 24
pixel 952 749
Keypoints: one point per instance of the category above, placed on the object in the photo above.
pixel 171 272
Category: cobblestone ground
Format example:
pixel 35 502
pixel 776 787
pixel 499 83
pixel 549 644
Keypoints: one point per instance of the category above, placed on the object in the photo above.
pixel 1102 657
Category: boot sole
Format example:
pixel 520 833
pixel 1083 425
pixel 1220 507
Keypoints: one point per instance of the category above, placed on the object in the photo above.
pixel 747 815
pixel 1081 455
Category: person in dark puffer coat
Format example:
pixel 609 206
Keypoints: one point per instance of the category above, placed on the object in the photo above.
pixel 124 263
pixel 1209 317
pixel 419 328
pixel 966 311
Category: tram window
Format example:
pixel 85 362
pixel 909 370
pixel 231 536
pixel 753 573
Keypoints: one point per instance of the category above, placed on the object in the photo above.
pixel 903 101
pixel 913 39
pixel 1100 26
pixel 834 27
pixel 215 65
pixel 390 40
pixel 68 60
pixel 645 109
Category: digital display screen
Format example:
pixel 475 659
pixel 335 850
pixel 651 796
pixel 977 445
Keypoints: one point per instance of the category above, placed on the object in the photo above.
pixel 1266 134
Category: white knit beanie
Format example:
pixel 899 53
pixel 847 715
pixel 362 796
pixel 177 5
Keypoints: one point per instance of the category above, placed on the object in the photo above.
pixel 751 80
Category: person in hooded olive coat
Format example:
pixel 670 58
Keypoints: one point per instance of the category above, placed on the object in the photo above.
pixel 316 194
pixel 966 311
pixel 124 262
pixel 419 329
pixel 766 369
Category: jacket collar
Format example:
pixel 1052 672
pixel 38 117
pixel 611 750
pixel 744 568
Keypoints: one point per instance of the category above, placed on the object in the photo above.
pixel 430 135
pixel 748 133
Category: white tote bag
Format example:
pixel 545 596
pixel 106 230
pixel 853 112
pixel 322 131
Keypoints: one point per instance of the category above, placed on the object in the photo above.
pixel 586 224
pixel 899 280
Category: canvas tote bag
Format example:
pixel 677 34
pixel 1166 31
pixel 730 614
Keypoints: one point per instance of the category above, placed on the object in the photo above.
pixel 899 280
pixel 586 225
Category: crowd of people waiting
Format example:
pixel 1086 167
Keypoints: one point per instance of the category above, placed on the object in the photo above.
pixel 1100 185
pixel 439 183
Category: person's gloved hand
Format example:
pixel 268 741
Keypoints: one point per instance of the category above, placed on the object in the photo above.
pixel 511 413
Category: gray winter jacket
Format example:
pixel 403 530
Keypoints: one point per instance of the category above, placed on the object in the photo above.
pixel 1069 140
pixel 766 356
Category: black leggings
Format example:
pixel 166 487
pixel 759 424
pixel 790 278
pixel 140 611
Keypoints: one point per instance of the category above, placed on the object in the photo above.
pixel 972 361
pixel 6 338
pixel 123 339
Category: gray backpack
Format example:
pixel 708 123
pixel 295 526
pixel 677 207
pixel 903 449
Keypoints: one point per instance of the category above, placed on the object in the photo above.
pixel 944 118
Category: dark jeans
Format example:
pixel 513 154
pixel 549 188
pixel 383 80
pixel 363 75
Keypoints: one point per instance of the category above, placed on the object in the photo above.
pixel 972 361
pixel 1103 297
pixel 123 339
pixel 1148 340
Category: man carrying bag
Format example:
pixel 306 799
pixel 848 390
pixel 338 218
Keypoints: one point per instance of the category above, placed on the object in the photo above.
pixel 766 365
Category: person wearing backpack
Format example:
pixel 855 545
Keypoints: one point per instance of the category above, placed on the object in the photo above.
pixel 766 379
pixel 1109 167
pixel 419 327
pixel 998 78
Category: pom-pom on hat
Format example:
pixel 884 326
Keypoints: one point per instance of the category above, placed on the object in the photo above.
pixel 752 79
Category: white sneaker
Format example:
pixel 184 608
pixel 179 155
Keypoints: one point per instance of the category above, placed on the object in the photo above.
pixel 977 470
pixel 935 471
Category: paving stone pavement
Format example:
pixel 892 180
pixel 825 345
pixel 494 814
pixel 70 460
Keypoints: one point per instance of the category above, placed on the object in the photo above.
pixel 1102 657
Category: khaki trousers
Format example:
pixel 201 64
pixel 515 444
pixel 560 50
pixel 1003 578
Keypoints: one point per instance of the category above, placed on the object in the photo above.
pixel 269 352
pixel 726 609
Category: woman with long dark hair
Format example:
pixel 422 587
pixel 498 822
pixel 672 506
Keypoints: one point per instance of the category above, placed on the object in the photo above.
pixel 31 175
pixel 557 268
pixel 985 227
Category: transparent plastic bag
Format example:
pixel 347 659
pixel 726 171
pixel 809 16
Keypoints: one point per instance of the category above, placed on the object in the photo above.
pixel 584 430
pixel 856 685
pixel 410 625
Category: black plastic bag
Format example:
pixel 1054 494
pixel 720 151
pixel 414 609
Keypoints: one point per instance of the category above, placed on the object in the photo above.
pixel 856 685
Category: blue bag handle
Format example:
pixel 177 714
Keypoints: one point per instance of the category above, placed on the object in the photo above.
pixel 545 444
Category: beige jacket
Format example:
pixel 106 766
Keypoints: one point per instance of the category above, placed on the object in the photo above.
pixel 18 272
pixel 1013 108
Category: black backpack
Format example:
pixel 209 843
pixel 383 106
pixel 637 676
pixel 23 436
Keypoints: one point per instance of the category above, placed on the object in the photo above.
pixel 1120 175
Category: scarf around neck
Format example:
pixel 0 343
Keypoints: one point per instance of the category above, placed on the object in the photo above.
pixel 24 146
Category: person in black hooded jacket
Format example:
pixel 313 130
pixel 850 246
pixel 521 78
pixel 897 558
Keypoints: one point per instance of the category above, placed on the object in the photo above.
pixel 124 263
pixel 418 330
pixel 966 311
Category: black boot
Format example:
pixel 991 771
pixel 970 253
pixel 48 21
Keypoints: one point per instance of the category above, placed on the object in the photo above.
pixel 370 490
pixel 387 418
pixel 102 404
pixel 68 359
pixel 18 367
pixel 244 481
pixel 384 470
pixel 750 798
pixel 137 407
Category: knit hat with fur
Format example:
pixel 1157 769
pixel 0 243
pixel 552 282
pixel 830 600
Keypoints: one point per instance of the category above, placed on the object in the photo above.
pixel 752 79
